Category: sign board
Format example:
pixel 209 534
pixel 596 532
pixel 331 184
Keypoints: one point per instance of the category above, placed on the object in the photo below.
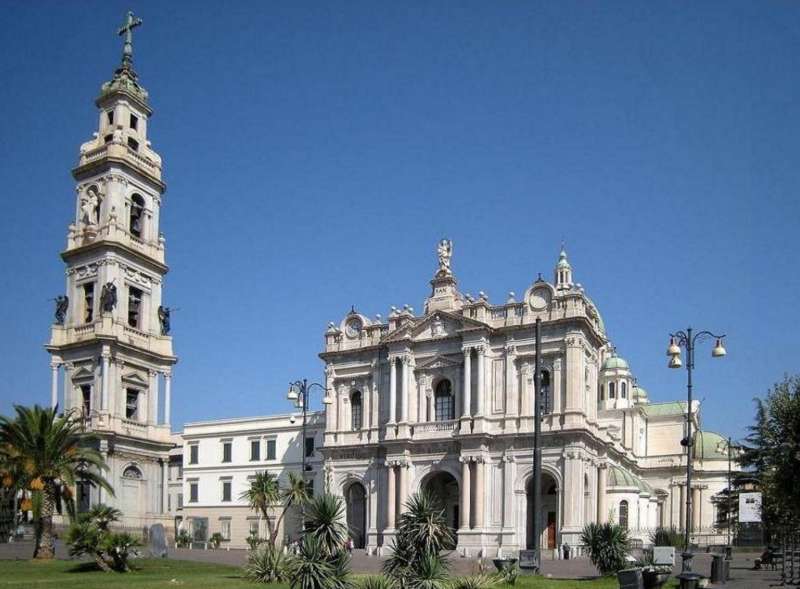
pixel 527 559
pixel 749 508
pixel 664 555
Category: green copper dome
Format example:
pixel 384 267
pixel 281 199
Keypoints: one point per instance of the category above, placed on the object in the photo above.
pixel 619 477
pixel 710 446
pixel 615 362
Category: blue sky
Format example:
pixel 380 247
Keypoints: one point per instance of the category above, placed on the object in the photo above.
pixel 315 152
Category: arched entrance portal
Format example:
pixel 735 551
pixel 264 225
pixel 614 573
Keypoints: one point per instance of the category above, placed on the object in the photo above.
pixel 444 487
pixel 549 513
pixel 356 501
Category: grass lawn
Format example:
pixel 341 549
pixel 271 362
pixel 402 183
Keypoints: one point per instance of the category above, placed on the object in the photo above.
pixel 152 574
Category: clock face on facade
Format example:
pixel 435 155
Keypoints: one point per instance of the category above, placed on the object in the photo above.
pixel 353 327
pixel 540 299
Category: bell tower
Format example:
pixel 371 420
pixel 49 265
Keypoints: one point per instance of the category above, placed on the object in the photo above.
pixel 110 344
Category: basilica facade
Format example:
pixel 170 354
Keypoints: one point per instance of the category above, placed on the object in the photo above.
pixel 445 401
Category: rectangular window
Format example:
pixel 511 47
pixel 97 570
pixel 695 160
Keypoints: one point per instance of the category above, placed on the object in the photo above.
pixel 88 302
pixel 255 450
pixel 226 491
pixel 226 451
pixel 169 502
pixel 134 122
pixel 193 451
pixel 131 404
pixel 133 144
pixel 309 447
pixel 225 529
pixel 86 393
pixel 110 117
pixel 270 449
pixel 192 492
pixel 253 527
pixel 134 306
pixel 180 500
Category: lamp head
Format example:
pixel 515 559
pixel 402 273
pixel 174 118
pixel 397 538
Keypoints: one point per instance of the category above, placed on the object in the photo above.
pixel 674 349
pixel 327 400
pixel 294 392
pixel 675 361
pixel 719 350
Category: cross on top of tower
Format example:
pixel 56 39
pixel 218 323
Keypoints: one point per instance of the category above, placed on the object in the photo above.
pixel 131 22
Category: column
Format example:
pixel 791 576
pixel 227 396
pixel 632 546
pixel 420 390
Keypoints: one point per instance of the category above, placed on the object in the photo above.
pixel 165 486
pixel 682 523
pixel 105 392
pixel 465 408
pixel 512 396
pixel 404 395
pixel 391 496
pixel 508 491
pixel 480 494
pixel 602 509
pixel 330 410
pixel 403 468
pixel 366 405
pixel 481 393
pixel 431 406
pixel 573 489
pixel 167 396
pixel 372 491
pixel 69 391
pixel 575 388
pixel 696 510
pixel 555 386
pixel 54 385
pixel 152 399
pixel 375 402
pixel 392 390
pixel 464 524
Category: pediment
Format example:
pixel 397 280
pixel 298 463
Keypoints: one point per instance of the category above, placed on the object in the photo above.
pixel 134 378
pixel 441 324
pixel 82 373
pixel 437 362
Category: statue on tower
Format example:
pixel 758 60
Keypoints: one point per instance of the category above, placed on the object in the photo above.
pixel 108 297
pixel 90 207
pixel 62 304
pixel 445 252
pixel 163 318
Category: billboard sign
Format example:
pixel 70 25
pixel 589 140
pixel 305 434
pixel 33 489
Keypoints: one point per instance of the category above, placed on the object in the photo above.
pixel 749 508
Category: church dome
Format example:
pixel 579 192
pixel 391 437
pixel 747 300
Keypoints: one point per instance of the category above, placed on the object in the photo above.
pixel 639 392
pixel 710 446
pixel 615 361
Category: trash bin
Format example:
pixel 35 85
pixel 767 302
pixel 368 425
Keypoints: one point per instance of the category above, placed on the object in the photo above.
pixel 689 580
pixel 630 579
pixel 717 569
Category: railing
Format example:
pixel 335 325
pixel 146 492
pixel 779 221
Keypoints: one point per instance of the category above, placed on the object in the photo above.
pixel 134 425
pixel 435 427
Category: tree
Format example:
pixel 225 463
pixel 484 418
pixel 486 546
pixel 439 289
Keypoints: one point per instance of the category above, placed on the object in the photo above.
pixel 91 535
pixel 772 452
pixel 607 545
pixel 265 494
pixel 50 455
pixel 422 534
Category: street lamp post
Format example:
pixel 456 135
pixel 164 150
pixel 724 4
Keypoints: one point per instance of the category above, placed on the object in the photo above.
pixel 689 340
pixel 298 394
pixel 730 495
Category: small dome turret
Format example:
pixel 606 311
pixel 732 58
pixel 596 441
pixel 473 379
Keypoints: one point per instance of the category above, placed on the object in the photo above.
pixel 563 271
pixel 616 383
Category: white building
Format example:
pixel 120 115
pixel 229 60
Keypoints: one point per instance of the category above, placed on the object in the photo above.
pixel 444 401
pixel 111 353
pixel 219 460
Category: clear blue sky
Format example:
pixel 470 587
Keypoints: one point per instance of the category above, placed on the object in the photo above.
pixel 316 152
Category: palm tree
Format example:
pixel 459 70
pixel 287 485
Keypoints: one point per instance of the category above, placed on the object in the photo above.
pixel 324 520
pixel 50 455
pixel 265 493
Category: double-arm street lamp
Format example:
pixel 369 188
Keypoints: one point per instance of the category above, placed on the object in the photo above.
pixel 689 340
pixel 298 394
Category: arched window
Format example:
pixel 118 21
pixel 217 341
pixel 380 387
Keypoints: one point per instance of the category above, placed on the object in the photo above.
pixel 544 387
pixel 623 514
pixel 612 393
pixel 132 472
pixel 445 407
pixel 356 414
pixel 623 390
pixel 137 212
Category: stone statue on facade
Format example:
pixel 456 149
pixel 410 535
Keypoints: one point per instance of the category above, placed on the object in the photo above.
pixel 62 304
pixel 90 207
pixel 163 318
pixel 445 252
pixel 108 297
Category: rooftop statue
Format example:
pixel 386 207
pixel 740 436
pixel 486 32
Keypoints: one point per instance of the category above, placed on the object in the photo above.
pixel 445 252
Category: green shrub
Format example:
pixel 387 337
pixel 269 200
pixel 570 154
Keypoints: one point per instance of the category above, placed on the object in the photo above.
pixel 253 541
pixel 183 539
pixel 311 567
pixel 666 537
pixel 216 540
pixel 474 582
pixel 508 573
pixel 266 565
pixel 607 545
pixel 374 582
pixel 120 548
pixel 90 536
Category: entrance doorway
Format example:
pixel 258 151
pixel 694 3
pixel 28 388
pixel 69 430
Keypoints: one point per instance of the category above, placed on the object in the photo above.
pixel 444 487
pixel 356 500
pixel 548 511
